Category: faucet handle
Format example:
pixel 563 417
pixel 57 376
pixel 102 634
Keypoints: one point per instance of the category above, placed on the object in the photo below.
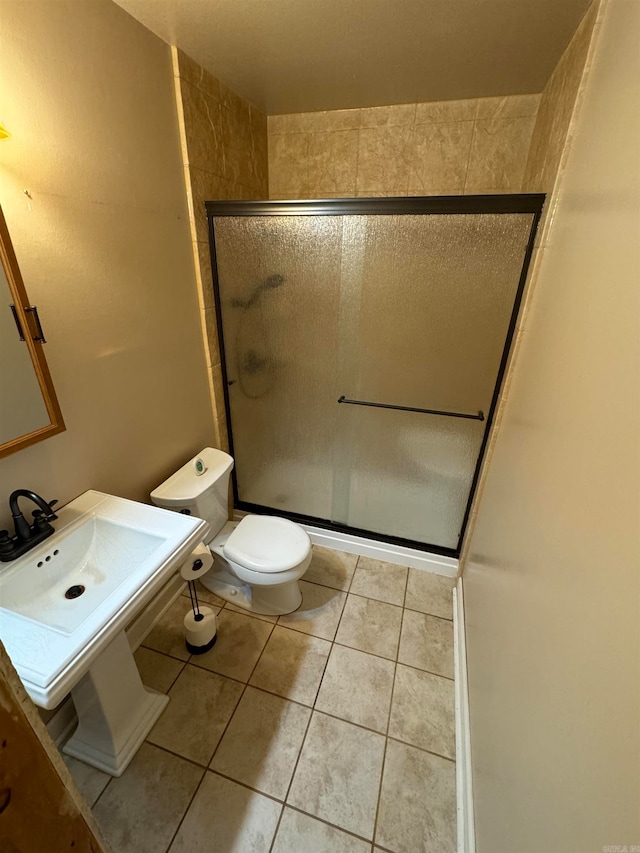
pixel 52 516
pixel 6 545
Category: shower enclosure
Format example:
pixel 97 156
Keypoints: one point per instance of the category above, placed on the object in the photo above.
pixel 363 346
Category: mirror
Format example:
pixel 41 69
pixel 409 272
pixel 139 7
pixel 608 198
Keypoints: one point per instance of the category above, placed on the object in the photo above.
pixel 29 409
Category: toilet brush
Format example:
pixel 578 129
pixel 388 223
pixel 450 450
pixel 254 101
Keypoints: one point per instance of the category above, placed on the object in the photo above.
pixel 200 623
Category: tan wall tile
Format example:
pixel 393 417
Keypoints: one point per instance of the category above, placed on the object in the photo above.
pixel 440 156
pixel 383 158
pixel 288 163
pixel 511 106
pixel 331 120
pixel 239 165
pixel 202 129
pixel 204 271
pixel 260 150
pixel 556 108
pixel 394 193
pixel 196 75
pixel 211 336
pixel 398 115
pixel 203 187
pixel 332 160
pixel 314 122
pixel 499 154
pixel 446 111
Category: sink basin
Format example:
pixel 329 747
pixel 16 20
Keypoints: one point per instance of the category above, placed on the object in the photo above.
pixel 78 573
pixel 62 602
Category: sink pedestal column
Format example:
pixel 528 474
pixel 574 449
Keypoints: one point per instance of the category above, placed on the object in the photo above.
pixel 115 710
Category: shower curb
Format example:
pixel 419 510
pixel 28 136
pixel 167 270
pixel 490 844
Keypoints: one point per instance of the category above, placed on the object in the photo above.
pixel 399 554
pixel 464 782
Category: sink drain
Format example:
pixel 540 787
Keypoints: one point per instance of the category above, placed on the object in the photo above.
pixel 74 591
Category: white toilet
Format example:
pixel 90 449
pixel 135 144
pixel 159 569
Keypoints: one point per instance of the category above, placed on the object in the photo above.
pixel 258 560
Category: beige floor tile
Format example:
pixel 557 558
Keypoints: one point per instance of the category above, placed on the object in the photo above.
pixel 140 811
pixel 357 687
pixel 245 612
pixel 157 671
pixel 338 774
pixel 331 568
pixel 427 643
pixel 167 635
pixel 422 711
pixel 291 665
pixel 319 612
pixel 201 704
pixel 261 744
pixel 417 802
pixel 430 593
pixel 205 596
pixel 226 818
pixel 240 641
pixel 89 780
pixel 382 581
pixel 299 833
pixel 371 626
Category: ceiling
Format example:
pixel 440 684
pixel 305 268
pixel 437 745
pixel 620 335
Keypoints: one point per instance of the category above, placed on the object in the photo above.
pixel 300 55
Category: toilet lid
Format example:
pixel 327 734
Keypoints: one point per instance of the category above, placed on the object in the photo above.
pixel 266 543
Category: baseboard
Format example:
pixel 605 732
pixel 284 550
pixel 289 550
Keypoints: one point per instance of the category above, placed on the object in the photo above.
pixel 364 547
pixel 464 784
pixel 64 721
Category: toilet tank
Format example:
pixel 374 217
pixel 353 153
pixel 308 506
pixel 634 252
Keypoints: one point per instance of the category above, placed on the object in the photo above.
pixel 200 488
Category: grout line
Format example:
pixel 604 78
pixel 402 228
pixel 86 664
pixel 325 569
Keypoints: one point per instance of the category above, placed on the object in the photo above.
pixel 110 780
pixel 244 785
pixel 375 820
pixel 328 823
pixel 240 698
pixel 421 749
pixel 428 671
pixel 304 740
pixel 186 811
pixel 176 754
pixel 349 722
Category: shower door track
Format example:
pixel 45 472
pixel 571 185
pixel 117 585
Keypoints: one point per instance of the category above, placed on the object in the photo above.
pixel 532 203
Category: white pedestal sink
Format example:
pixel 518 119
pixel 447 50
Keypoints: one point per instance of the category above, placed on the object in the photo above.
pixel 64 607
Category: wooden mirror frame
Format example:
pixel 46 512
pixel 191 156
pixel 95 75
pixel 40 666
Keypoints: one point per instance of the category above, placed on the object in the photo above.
pixel 33 344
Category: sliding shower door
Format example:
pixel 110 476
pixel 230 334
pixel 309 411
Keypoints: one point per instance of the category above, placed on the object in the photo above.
pixel 363 344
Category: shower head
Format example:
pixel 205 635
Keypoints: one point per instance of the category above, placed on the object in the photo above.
pixel 270 283
pixel 273 281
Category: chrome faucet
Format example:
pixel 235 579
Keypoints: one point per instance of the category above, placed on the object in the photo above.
pixel 27 536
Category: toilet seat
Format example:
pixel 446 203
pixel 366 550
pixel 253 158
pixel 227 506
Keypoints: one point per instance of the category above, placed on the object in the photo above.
pixel 267 544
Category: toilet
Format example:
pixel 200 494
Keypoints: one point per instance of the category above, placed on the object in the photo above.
pixel 257 561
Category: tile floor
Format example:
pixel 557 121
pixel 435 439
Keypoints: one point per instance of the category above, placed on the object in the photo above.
pixel 330 730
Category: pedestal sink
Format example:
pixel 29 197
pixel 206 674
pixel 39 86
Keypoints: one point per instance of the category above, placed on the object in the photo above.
pixel 65 604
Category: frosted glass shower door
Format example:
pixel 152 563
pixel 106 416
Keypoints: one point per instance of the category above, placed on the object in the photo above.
pixel 426 305
pixel 279 284
pixel 336 328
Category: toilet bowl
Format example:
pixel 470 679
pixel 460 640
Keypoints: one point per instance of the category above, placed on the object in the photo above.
pixel 258 560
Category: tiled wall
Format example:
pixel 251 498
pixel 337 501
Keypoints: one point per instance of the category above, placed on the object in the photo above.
pixel 556 108
pixel 448 147
pixel 224 149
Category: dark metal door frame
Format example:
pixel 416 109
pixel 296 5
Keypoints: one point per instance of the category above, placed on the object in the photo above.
pixel 514 203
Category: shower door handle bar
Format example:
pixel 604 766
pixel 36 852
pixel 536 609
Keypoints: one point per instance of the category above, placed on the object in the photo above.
pixel 478 417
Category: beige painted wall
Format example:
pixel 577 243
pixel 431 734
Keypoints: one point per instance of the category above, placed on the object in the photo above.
pixel 104 247
pixel 224 151
pixel 552 581
pixel 440 148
